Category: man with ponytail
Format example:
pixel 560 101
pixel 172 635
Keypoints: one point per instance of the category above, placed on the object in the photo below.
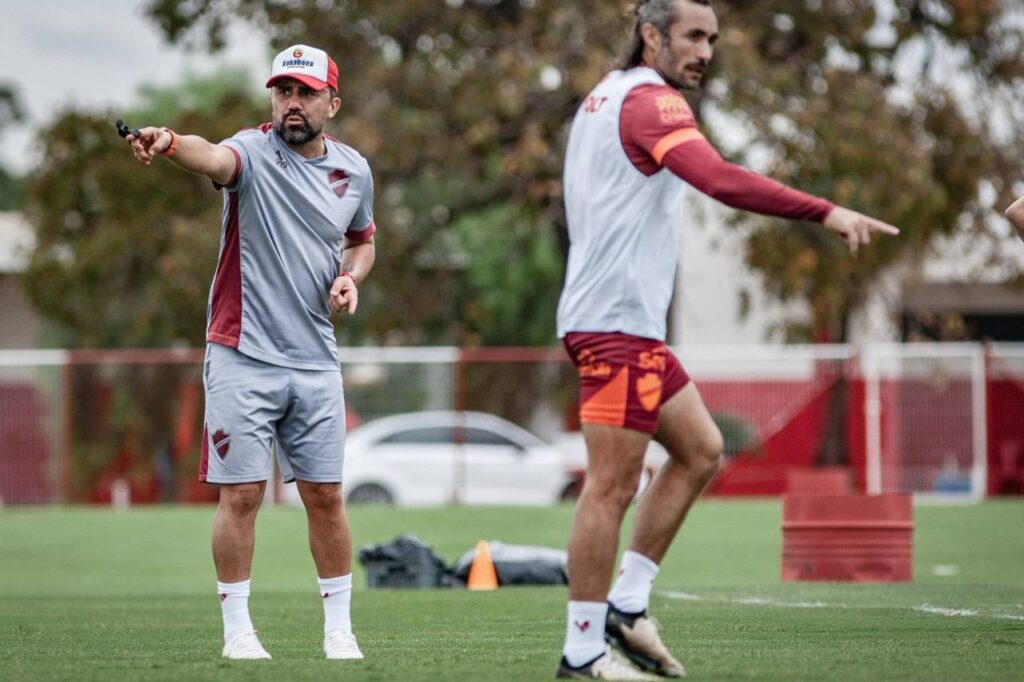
pixel 633 145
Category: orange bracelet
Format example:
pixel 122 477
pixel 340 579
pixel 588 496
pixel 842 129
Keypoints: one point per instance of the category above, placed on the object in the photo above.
pixel 172 146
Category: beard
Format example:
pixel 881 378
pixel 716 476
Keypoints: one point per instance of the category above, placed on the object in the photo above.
pixel 296 134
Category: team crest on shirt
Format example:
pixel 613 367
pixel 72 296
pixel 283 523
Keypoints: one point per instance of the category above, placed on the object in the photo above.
pixel 673 108
pixel 221 442
pixel 339 181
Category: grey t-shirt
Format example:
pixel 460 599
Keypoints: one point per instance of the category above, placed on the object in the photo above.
pixel 280 248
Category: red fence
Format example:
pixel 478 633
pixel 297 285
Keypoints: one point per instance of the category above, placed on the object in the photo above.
pixel 72 423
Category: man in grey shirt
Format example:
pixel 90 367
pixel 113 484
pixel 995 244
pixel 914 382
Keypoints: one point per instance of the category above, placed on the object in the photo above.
pixel 296 239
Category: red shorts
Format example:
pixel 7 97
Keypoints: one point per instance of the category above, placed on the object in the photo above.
pixel 624 379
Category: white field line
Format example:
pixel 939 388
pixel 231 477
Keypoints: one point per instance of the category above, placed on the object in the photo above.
pixel 761 601
pixel 943 611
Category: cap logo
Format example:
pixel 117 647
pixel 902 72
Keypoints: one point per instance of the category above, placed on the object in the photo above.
pixel 297 54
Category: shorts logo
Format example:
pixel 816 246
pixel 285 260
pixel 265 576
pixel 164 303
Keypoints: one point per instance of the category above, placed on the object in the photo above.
pixel 339 181
pixel 648 390
pixel 221 442
pixel 656 359
pixel 589 365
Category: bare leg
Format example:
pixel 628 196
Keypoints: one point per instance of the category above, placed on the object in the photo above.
pixel 330 540
pixel 234 530
pixel 694 444
pixel 615 461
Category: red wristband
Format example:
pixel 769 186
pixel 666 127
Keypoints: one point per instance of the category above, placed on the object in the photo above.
pixel 172 146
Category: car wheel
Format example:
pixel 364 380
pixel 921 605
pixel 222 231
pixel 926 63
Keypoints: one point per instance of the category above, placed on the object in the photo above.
pixel 370 493
pixel 572 490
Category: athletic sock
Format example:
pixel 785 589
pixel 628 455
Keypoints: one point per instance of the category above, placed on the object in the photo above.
pixel 337 596
pixel 584 632
pixel 631 592
pixel 234 606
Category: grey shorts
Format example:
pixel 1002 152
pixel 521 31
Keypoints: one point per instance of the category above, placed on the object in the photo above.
pixel 251 405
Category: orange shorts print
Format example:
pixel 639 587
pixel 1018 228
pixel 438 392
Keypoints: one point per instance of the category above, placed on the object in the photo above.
pixel 624 379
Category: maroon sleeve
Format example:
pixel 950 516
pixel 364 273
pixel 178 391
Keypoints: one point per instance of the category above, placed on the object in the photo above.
pixel 653 120
pixel 699 164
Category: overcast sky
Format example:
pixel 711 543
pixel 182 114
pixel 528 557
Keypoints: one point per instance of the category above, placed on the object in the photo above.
pixel 94 54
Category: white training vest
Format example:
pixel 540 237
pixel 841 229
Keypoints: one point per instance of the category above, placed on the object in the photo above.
pixel 622 224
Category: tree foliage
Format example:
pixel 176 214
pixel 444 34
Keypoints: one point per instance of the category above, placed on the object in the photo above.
pixel 11 112
pixel 899 108
pixel 891 108
pixel 908 113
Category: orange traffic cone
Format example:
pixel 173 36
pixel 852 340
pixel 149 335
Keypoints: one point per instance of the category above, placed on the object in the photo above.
pixel 482 575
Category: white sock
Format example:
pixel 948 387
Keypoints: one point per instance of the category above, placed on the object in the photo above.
pixel 234 606
pixel 632 589
pixel 337 596
pixel 584 633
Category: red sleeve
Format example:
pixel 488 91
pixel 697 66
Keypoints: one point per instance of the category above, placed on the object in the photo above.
pixel 699 164
pixel 362 235
pixel 654 119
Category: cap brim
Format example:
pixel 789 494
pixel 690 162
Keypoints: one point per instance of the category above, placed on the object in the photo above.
pixel 308 81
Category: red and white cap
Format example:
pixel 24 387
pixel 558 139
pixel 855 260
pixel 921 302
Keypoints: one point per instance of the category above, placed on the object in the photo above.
pixel 310 66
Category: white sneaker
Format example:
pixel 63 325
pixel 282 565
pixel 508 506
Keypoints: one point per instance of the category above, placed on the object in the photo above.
pixel 245 646
pixel 608 666
pixel 635 636
pixel 340 645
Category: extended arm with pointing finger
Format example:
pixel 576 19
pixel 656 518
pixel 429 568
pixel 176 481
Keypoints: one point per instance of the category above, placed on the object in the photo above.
pixel 191 152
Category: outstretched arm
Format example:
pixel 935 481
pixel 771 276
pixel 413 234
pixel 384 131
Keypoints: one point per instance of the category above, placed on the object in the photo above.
pixel 191 152
pixel 698 163
pixel 1015 214
pixel 658 130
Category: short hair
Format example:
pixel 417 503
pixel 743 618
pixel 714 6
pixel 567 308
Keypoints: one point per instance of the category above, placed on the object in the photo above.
pixel 659 13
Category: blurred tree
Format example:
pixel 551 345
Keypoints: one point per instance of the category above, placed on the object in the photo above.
pixel 903 109
pixel 462 108
pixel 11 113
pixel 892 107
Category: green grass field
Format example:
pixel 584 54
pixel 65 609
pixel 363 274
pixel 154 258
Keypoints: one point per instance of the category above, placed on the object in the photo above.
pixel 92 594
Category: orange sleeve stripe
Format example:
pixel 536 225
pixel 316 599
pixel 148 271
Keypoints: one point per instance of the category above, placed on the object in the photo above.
pixel 673 140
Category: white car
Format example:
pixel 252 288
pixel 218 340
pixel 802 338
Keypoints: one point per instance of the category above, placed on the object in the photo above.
pixel 434 458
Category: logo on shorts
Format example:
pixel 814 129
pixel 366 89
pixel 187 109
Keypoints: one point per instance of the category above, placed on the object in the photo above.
pixel 339 181
pixel 221 442
pixel 589 366
pixel 648 390
pixel 656 359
